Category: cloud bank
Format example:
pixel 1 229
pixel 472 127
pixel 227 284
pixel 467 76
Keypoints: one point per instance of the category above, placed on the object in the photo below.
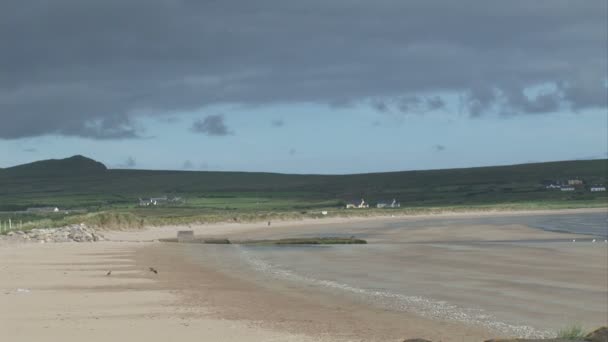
pixel 90 69
pixel 212 125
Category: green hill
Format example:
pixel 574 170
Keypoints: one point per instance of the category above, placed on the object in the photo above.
pixel 51 168
pixel 79 182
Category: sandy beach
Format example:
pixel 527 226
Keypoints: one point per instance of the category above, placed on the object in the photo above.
pixel 60 292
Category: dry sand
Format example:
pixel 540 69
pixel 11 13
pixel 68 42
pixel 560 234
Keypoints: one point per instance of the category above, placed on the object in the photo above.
pixel 60 292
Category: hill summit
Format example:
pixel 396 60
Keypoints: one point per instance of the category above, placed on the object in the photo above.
pixel 72 166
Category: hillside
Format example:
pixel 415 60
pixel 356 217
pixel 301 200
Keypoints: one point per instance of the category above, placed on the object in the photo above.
pixel 69 167
pixel 79 182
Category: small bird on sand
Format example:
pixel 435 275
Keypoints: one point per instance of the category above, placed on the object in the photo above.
pixel 593 240
pixel 109 273
pixel 152 269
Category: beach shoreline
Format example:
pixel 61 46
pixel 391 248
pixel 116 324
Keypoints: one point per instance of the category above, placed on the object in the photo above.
pixel 152 233
pixel 60 292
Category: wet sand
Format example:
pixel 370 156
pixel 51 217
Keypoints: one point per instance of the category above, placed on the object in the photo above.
pixel 231 292
pixel 510 280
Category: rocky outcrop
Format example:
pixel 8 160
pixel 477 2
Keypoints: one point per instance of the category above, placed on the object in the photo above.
pixel 599 335
pixel 533 340
pixel 73 233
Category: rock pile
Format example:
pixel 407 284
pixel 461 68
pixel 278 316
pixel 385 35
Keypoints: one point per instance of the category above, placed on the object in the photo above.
pixel 73 233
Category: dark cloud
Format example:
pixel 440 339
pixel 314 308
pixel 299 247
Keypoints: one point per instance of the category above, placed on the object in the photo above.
pixel 380 106
pixel 409 104
pixel 129 163
pixel 91 69
pixel 479 100
pixel 187 165
pixel 420 104
pixel 435 103
pixel 278 123
pixel 212 125
pixel 439 148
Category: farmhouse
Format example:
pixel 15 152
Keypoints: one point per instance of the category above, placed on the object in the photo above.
pixel 567 188
pixel 393 204
pixel 153 201
pixel 146 202
pixel 575 182
pixel 43 210
pixel 357 205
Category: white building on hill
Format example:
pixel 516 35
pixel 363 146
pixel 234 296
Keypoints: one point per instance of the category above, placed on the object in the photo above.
pixel 357 205
pixel 393 204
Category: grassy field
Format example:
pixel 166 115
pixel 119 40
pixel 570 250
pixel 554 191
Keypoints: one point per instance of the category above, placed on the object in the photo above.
pixel 111 196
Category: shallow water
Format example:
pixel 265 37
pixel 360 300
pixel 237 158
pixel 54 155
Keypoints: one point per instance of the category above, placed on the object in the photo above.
pixel 526 288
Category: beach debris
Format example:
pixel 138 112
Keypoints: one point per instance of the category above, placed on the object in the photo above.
pixel 598 335
pixel 593 240
pixel 573 240
pixel 20 290
pixel 152 269
pixel 109 273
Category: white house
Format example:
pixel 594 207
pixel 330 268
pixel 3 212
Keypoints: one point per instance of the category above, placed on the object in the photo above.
pixel 43 210
pixel 152 201
pixel 357 205
pixel 598 188
pixel 393 204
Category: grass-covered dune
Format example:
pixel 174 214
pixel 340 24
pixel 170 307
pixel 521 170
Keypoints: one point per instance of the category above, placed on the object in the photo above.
pixel 79 182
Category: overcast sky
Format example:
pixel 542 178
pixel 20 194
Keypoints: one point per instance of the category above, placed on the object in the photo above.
pixel 303 86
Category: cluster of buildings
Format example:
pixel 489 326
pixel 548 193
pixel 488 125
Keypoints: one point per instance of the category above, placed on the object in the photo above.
pixel 155 201
pixel 38 210
pixel 573 185
pixel 381 204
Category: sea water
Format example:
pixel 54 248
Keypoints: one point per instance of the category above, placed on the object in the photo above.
pixel 433 279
